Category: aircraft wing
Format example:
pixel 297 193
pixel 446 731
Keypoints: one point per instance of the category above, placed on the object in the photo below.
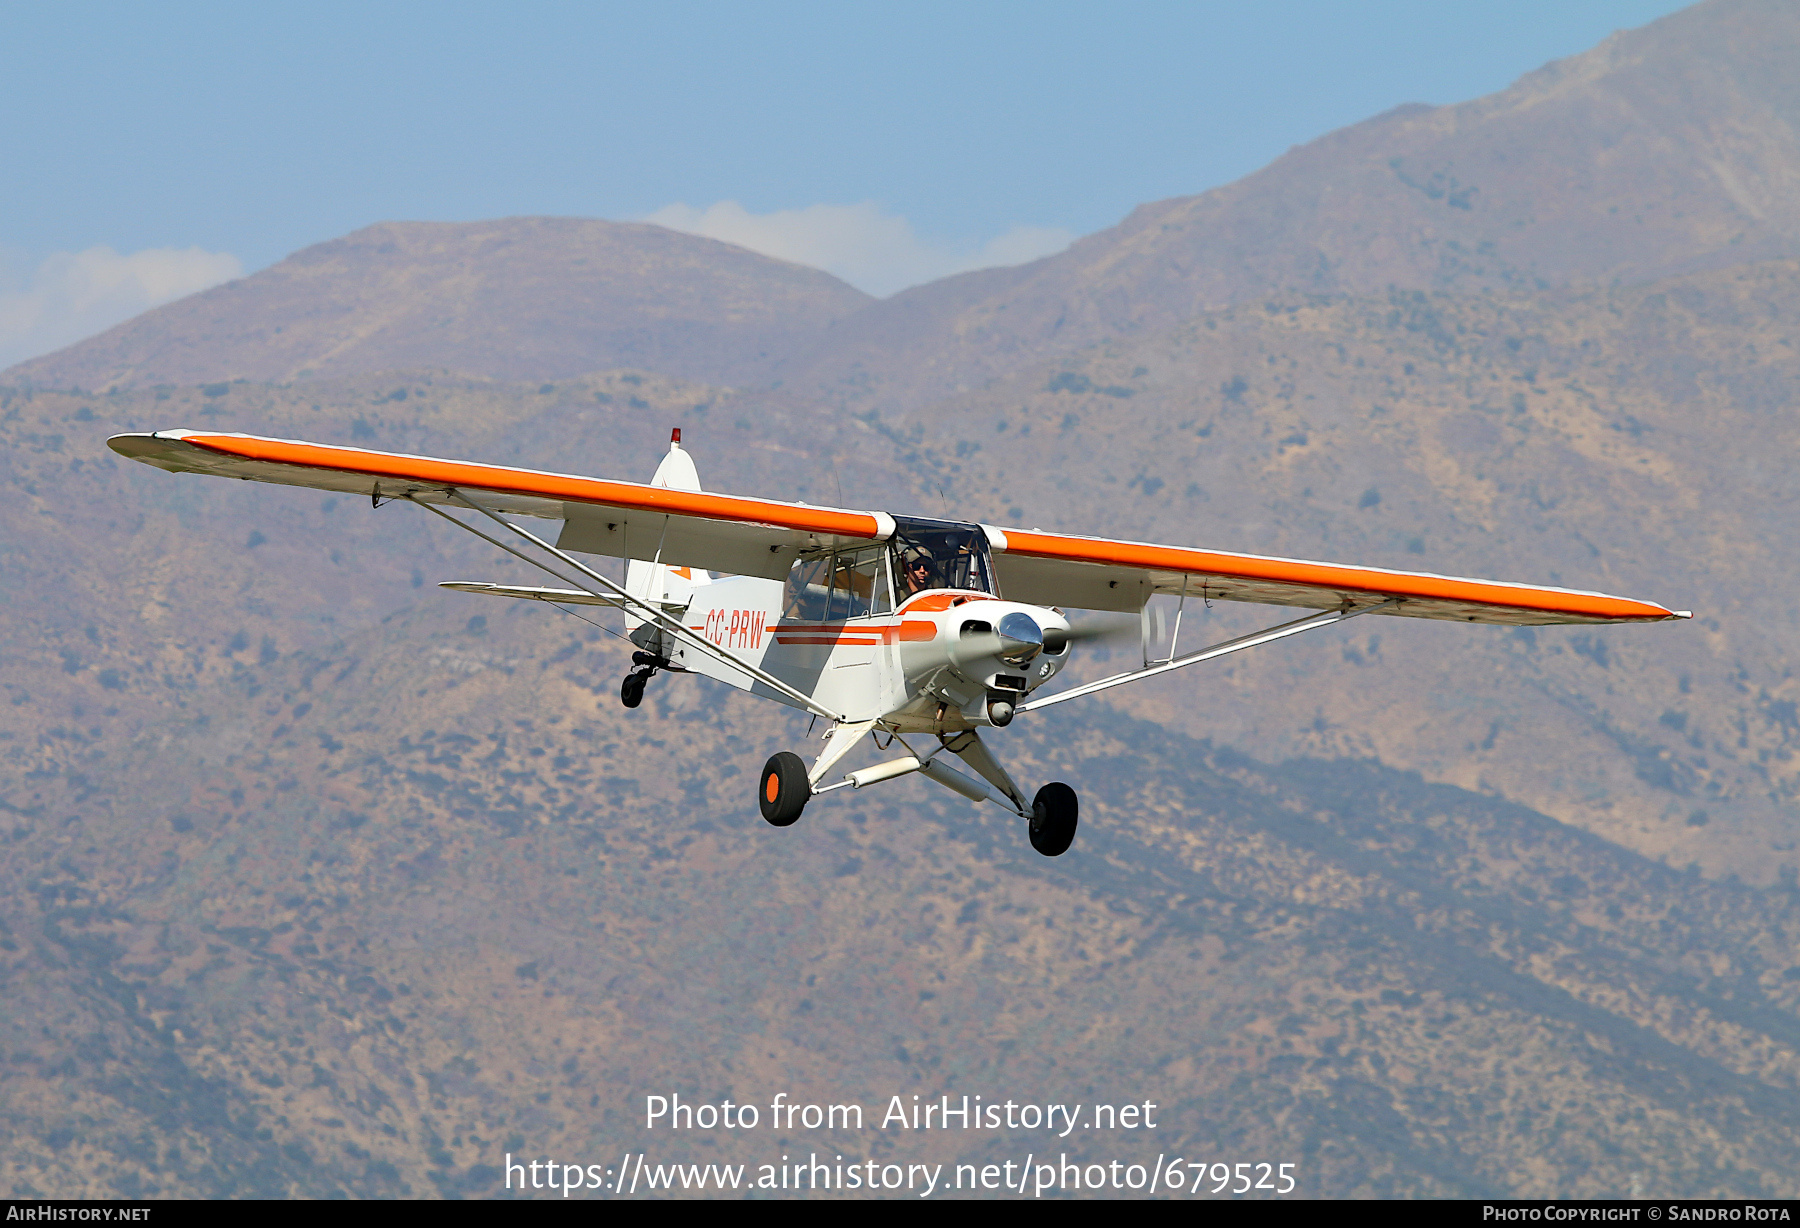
pixel 1093 573
pixel 761 537
pixel 752 537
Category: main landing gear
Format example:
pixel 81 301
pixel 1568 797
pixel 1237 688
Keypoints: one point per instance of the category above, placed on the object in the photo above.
pixel 785 790
pixel 643 664
pixel 1053 816
pixel 785 785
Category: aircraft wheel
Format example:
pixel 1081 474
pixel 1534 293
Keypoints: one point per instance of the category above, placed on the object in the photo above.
pixel 1053 816
pixel 631 691
pixel 785 790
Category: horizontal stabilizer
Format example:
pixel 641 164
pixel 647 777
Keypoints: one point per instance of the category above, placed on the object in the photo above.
pixel 561 596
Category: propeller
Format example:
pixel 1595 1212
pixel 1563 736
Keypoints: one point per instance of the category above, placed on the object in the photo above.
pixel 1056 639
pixel 1015 641
pixel 1019 638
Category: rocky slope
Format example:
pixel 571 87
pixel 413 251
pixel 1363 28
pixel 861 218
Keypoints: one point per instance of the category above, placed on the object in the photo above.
pixel 1619 440
pixel 320 880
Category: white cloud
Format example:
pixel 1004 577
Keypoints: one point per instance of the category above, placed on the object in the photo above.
pixel 72 295
pixel 874 251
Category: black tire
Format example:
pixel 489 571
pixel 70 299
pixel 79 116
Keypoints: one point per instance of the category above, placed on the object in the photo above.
pixel 783 789
pixel 1054 812
pixel 631 691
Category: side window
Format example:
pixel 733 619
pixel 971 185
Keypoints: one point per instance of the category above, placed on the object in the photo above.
pixel 808 589
pixel 861 586
pixel 881 599
pixel 830 589
pixel 843 598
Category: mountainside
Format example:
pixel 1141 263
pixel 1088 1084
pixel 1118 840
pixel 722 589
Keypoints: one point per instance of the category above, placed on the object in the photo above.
pixel 518 298
pixel 1621 440
pixel 322 881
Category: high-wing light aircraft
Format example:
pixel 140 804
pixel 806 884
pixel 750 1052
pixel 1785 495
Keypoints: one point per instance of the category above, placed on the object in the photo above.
pixel 888 626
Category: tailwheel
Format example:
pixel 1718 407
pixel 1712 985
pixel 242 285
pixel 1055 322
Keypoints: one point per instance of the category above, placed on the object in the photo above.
pixel 644 664
pixel 631 691
pixel 1053 816
pixel 785 790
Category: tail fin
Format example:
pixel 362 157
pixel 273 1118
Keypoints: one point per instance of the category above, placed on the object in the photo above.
pixel 654 581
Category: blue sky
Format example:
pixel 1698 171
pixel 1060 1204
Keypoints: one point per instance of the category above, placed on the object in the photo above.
pixel 229 135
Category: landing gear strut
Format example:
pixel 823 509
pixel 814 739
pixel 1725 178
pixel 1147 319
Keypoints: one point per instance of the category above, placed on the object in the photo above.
pixel 1053 816
pixel 643 664
pixel 785 785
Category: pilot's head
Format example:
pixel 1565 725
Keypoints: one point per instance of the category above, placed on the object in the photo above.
pixel 915 569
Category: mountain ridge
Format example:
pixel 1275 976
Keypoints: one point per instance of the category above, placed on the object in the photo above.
pixel 514 298
pixel 1671 148
pixel 1692 122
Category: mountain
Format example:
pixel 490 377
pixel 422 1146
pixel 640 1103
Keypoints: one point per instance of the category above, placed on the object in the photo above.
pixel 320 881
pixel 519 298
pixel 1671 148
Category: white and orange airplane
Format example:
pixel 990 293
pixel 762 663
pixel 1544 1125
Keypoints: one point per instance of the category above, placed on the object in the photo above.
pixel 888 626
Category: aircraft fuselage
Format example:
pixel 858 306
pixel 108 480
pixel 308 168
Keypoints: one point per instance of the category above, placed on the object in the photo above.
pixel 938 663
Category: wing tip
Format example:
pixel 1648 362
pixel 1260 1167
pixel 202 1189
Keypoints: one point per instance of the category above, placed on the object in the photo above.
pixel 140 445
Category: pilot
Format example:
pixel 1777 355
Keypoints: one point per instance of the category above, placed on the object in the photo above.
pixel 915 571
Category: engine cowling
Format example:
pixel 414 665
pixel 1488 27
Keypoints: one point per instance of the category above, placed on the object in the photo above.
pixel 988 649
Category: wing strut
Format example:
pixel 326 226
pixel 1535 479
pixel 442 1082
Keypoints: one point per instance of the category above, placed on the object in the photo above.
pixel 645 611
pixel 1242 642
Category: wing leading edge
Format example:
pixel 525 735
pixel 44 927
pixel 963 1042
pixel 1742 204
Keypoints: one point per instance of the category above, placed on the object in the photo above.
pixel 762 537
pixel 759 537
pixel 1100 574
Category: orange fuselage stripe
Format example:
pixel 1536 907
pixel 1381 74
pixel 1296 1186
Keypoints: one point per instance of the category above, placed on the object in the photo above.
pixel 1324 575
pixel 628 495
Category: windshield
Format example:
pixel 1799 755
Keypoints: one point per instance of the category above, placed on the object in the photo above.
pixel 939 554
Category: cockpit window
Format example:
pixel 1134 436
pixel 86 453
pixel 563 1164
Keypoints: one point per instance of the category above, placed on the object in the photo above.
pixel 830 588
pixel 940 554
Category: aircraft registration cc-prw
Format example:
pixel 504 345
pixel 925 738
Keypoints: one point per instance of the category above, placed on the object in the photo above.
pixel 888 626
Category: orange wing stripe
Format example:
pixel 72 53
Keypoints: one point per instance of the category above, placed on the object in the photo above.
pixel 1326 575
pixel 568 489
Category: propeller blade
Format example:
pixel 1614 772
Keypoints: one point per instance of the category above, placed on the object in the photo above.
pixel 1111 629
